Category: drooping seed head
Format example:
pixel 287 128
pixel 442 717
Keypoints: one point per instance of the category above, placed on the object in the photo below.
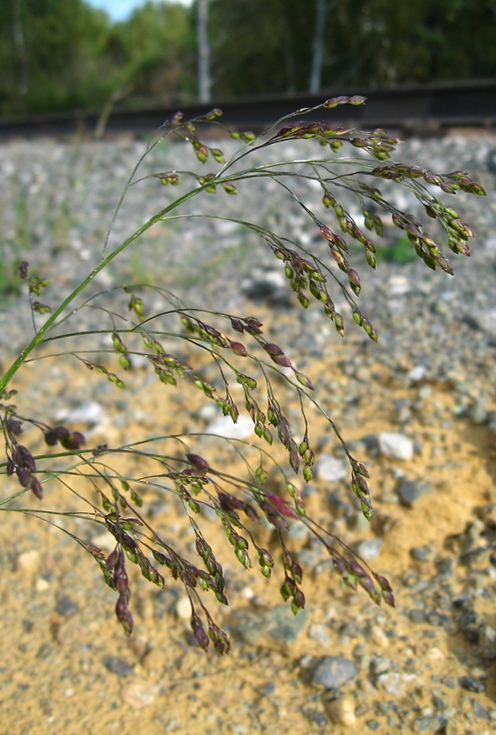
pixel 198 461
pixel 36 487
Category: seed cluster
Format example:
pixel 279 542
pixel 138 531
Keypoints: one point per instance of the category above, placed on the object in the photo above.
pixel 239 350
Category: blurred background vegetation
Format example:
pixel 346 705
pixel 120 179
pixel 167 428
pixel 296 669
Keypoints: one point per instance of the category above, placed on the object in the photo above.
pixel 59 55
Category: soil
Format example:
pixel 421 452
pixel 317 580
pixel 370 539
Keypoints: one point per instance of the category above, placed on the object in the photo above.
pixel 67 667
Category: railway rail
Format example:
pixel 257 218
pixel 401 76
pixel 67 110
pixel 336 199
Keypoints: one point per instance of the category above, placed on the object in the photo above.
pixel 410 109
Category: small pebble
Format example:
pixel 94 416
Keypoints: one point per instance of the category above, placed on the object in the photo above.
pixel 396 446
pixel 409 491
pixel 373 725
pixel 29 561
pixel 138 695
pixel 224 426
pixel 369 548
pixel 320 634
pixel 66 606
pixel 479 711
pixel 420 553
pixel 117 666
pixel 486 644
pixel 341 711
pixel 428 724
pixel 89 412
pixel 330 469
pixel 332 672
pixel 42 585
pixel 472 685
pixel 183 608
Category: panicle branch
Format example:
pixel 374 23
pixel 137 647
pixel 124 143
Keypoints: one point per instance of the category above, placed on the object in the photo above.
pixel 242 354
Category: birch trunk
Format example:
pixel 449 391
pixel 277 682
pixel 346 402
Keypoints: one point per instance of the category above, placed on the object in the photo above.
pixel 204 78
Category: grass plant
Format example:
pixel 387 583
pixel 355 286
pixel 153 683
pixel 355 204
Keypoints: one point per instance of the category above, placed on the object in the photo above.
pixel 237 350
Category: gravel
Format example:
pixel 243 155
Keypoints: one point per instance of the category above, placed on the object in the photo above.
pixel 433 330
pixel 332 672
pixel 59 199
pixel 58 202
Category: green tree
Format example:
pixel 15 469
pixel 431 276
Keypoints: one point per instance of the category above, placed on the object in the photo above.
pixel 58 54
pixel 63 54
pixel 386 42
pixel 155 52
pixel 260 47
pixel 49 54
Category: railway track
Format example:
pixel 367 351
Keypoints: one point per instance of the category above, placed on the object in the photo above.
pixel 413 109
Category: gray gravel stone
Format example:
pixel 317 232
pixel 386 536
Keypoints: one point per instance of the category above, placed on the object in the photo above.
pixel 330 469
pixel 332 672
pixel 268 627
pixel 369 548
pixel 420 553
pixel 117 666
pixel 429 724
pixel 417 616
pixel 269 287
pixel 410 491
pixel 471 684
pixel 486 644
pixel 66 606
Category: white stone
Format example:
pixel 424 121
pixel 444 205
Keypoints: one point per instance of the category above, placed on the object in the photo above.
pixel 29 561
pixel 224 426
pixel 104 541
pixel 42 585
pixel 183 608
pixel 330 469
pixel 417 373
pixel 397 446
pixel 208 412
pixel 392 683
pixel 399 286
pixel 89 412
pixel 138 695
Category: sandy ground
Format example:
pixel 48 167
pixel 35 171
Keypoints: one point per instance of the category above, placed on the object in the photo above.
pixel 66 667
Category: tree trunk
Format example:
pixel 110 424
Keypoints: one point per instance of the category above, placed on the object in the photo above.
pixel 20 47
pixel 204 78
pixel 315 80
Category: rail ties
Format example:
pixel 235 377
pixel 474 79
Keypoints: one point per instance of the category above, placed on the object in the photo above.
pixel 412 109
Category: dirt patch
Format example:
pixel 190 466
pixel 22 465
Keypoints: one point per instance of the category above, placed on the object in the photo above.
pixel 66 666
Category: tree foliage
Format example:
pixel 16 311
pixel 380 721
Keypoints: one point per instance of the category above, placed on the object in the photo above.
pixel 372 42
pixel 58 55
pixel 155 49
pixel 64 54
pixel 50 55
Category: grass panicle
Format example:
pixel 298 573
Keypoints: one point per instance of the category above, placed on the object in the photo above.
pixel 240 352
